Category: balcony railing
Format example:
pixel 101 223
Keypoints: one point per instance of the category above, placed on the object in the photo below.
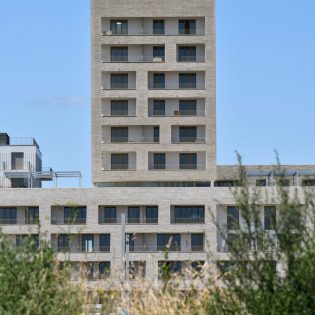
pixel 23 141
pixel 192 58
pixel 68 221
pixel 75 250
pixel 197 248
pixel 188 32
pixel 153 248
pixel 161 86
pixel 171 167
pixel 188 140
pixel 164 113
pixel 131 140
pixel 133 59
pixel 190 220
pixel 140 220
pixel 23 221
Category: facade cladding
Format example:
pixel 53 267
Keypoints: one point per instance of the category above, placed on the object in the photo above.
pixel 155 177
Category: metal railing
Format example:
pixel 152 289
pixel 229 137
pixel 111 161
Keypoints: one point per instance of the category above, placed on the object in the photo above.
pixel 197 166
pixel 77 250
pixel 153 248
pixel 23 141
pixel 68 221
pixel 165 113
pixel 175 32
pixel 192 58
pixel 121 167
pixel 24 221
pixel 180 86
pixel 131 59
pixel 140 220
pixel 188 220
pixel 188 140
pixel 132 140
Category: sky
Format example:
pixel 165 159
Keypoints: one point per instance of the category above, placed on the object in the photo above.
pixel 265 80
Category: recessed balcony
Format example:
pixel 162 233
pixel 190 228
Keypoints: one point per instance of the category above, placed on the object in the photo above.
pixel 19 215
pixel 191 53
pixel 118 107
pixel 68 215
pixel 188 134
pixel 119 80
pixel 119 161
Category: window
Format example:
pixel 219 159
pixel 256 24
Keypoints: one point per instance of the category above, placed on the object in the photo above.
pixel 104 242
pixel 119 54
pixel 119 108
pixel 188 161
pixel 133 215
pixel 88 243
pixel 130 241
pixel 119 27
pixel 63 242
pixel 75 215
pixel 187 80
pixel 104 269
pixel 159 80
pixel 261 182
pixel 158 107
pixel 159 161
pixel 8 216
pixel 156 134
pixel 196 242
pixel 187 53
pixel 109 215
pixel 136 269
pixel 159 52
pixel 33 215
pixel 32 240
pixel 158 27
pixel 119 134
pixel 189 214
pixel 119 80
pixel 151 214
pixel 187 107
pixel 187 134
pixel 17 161
pixel 119 162
pixel 308 182
pixel 171 241
pixel 88 270
pixel 167 267
pixel 233 218
pixel 187 27
pixel 225 183
pixel 270 218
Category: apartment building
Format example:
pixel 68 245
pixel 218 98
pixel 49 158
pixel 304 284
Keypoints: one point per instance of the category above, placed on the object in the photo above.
pixel 154 171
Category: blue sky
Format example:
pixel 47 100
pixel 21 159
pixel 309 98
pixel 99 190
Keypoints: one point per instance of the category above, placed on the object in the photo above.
pixel 265 80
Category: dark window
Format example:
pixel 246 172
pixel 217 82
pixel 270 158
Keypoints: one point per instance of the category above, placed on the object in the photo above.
pixel 104 269
pixel 188 161
pixel 270 218
pixel 87 243
pixel 169 267
pixel 119 27
pixel 187 107
pixel 119 162
pixel 151 214
pixel 17 161
pixel 196 242
pixel 158 27
pixel 104 242
pixel 130 241
pixel 284 182
pixel 109 215
pixel 119 134
pixel 118 54
pixel 261 182
pixel 88 270
pixel 32 240
pixel 119 80
pixel 187 27
pixel 187 80
pixel 168 240
pixel 63 242
pixel 119 108
pixel 189 214
pixel 187 53
pixel 136 269
pixel 159 52
pixel 8 216
pixel 233 218
pixel 308 182
pixel 133 215
pixel 225 183
pixel 75 215
pixel 187 134
pixel 159 107
pixel 156 134
pixel 159 161
pixel 159 80
pixel 33 215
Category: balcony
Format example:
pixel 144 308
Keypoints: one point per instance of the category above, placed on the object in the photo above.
pixel 133 214
pixel 119 80
pixel 144 26
pixel 118 107
pixel 19 215
pixel 133 54
pixel 187 214
pixel 191 53
pixel 176 108
pixel 125 161
pixel 68 215
pixel 176 80
pixel 188 134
